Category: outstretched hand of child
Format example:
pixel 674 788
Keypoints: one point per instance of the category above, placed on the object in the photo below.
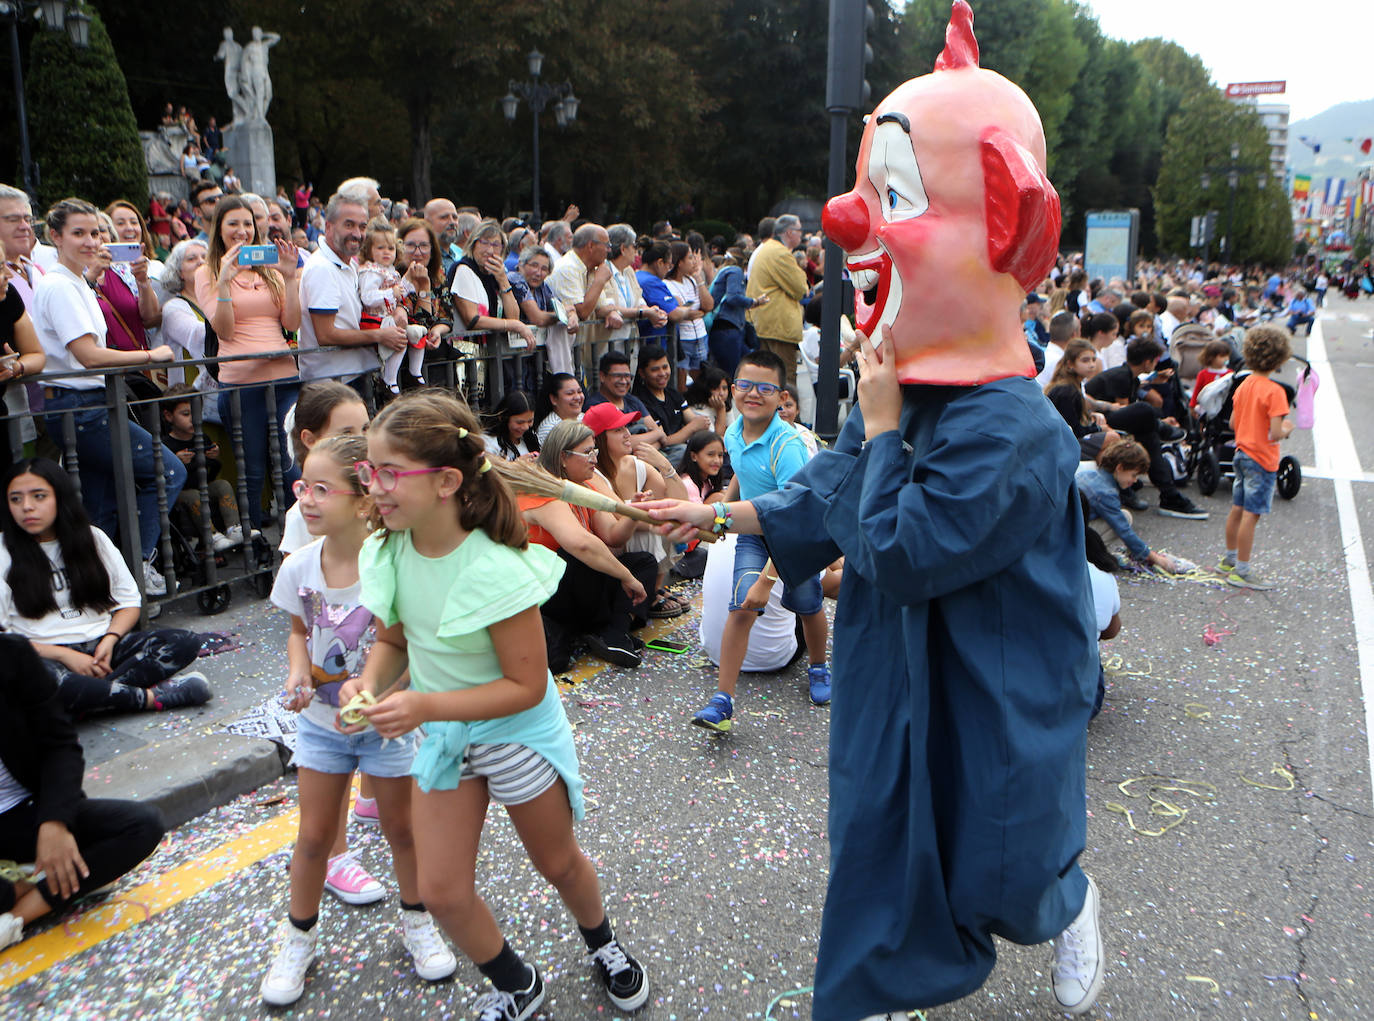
pixel 396 714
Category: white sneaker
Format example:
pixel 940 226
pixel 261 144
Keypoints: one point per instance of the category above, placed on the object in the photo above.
pixel 350 882
pixel 234 533
pixel 1078 973
pixel 154 584
pixel 221 543
pixel 425 944
pixel 285 980
pixel 11 930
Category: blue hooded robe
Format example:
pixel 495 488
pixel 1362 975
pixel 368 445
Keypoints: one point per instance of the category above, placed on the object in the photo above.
pixel 965 665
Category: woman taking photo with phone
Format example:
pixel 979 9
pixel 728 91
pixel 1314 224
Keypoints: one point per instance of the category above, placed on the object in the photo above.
pixel 251 309
pixel 72 331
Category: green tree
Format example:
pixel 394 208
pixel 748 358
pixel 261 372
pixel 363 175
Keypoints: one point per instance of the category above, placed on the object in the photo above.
pixel 1197 149
pixel 85 139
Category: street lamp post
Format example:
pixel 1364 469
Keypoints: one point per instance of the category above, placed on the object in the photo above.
pixel 1233 169
pixel 54 15
pixel 538 94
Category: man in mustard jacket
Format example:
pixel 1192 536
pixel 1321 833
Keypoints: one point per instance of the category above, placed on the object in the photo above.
pixel 776 274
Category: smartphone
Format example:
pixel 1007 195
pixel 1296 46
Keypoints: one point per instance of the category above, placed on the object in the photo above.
pixel 258 255
pixel 664 645
pixel 125 253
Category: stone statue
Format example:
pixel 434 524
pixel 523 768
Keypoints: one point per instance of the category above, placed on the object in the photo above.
pixel 232 54
pixel 254 81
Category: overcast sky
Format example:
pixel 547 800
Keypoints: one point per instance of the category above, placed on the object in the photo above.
pixel 1322 48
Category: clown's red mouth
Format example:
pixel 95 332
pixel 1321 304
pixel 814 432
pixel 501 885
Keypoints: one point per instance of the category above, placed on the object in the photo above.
pixel 870 271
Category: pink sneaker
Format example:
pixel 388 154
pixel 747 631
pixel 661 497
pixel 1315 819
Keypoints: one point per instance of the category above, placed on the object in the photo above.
pixel 350 882
pixel 365 811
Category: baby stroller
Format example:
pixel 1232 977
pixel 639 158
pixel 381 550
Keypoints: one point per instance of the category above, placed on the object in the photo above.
pixel 1214 451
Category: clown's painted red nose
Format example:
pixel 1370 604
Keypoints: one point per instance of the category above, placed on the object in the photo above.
pixel 845 219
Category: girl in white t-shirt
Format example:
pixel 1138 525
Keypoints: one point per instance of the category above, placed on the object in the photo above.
pixel 64 587
pixel 693 349
pixel 331 633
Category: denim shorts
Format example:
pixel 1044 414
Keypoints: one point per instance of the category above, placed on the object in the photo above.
pixel 325 750
pixel 693 353
pixel 1253 489
pixel 750 557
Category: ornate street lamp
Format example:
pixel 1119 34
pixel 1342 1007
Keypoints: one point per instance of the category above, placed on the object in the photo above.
pixel 54 15
pixel 538 94
pixel 1233 170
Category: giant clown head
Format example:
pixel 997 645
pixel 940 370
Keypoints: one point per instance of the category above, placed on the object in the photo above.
pixel 951 219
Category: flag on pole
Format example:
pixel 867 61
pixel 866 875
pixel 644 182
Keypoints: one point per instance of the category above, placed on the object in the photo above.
pixel 1334 191
pixel 1302 184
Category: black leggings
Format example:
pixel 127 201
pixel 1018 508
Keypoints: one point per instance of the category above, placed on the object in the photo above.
pixel 112 836
pixel 589 602
pixel 1140 421
pixel 140 660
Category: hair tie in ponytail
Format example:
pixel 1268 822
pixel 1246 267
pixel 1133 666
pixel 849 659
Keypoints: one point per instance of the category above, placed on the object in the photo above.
pixel 486 466
pixel 462 433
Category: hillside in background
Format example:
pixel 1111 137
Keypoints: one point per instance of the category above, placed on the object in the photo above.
pixel 1331 128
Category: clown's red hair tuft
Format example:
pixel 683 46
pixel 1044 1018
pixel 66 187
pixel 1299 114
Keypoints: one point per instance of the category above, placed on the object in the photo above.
pixel 961 48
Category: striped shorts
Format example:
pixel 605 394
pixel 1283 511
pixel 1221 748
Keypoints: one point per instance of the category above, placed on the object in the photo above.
pixel 514 774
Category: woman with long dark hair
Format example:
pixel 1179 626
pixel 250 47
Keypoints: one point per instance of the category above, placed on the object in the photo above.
pixel 512 435
pixel 560 400
pixel 64 587
pixel 250 308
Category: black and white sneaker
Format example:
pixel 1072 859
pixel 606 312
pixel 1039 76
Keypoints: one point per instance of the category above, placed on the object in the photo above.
pixel 1175 505
pixel 1132 500
pixel 501 1006
pixel 616 649
pixel 622 976
pixel 190 688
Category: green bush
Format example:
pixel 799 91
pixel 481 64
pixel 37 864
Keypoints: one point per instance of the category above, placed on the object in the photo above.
pixel 85 138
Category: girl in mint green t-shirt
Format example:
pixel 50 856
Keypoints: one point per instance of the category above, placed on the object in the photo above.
pixel 456 588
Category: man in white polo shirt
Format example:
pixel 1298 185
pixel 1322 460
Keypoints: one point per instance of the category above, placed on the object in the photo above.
pixel 329 295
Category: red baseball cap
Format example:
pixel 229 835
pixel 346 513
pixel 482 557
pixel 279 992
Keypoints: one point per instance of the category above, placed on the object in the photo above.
pixel 600 418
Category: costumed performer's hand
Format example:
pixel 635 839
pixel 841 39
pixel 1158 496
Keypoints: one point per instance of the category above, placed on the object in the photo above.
pixel 397 714
pixel 299 691
pixel 58 857
pixel 880 395
pixel 681 518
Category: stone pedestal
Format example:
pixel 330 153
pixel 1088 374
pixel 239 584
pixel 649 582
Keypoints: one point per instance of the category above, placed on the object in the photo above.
pixel 248 149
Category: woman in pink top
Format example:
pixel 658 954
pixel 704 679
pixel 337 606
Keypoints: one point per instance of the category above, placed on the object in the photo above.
pixel 252 309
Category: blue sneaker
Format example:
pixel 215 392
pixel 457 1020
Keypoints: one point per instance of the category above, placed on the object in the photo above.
pixel 715 715
pixel 819 676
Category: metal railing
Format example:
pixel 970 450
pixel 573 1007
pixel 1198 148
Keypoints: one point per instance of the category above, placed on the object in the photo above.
pixel 197 571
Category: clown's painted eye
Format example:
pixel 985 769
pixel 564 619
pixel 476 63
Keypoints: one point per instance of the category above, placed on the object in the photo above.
pixel 894 174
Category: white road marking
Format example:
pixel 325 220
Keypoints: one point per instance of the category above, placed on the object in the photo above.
pixel 1338 460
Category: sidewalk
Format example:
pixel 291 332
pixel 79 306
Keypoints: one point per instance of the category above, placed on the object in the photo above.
pixel 182 761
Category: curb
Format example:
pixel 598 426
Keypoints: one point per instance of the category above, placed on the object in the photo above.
pixel 187 776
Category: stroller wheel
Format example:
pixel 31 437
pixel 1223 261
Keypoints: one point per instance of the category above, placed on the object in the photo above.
pixel 1208 472
pixel 213 600
pixel 1289 479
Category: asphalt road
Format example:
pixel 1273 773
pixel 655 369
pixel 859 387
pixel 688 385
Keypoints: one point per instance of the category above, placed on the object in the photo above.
pixel 1252 904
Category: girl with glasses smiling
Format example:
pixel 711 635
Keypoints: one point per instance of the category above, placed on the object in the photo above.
pixel 456 587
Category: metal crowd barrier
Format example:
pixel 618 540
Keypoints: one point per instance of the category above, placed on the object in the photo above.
pixel 200 573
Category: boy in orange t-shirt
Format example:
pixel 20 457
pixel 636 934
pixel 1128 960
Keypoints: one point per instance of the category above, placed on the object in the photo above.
pixel 1258 417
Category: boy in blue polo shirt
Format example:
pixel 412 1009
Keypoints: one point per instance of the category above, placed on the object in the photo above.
pixel 765 452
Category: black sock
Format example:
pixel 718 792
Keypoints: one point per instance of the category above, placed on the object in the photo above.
pixel 598 937
pixel 507 972
pixel 417 906
pixel 304 924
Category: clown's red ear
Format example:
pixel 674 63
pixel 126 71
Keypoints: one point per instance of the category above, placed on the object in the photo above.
pixel 1022 210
